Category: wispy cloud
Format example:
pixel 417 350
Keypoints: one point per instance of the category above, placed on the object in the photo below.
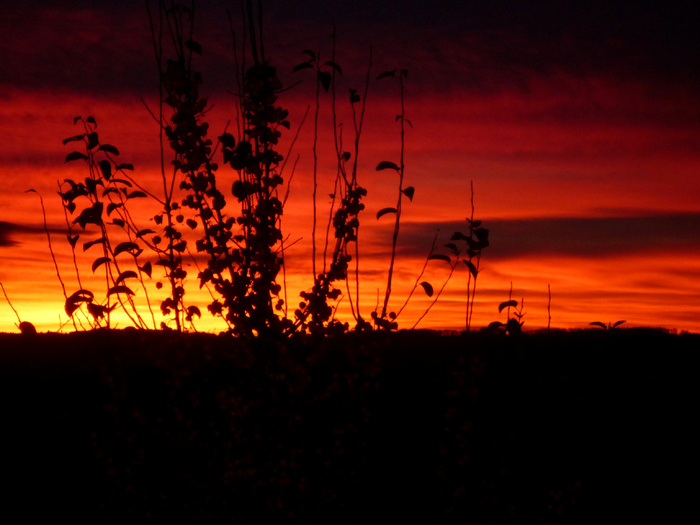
pixel 10 231
pixel 571 236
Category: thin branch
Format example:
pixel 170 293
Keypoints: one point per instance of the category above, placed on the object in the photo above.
pixel 10 303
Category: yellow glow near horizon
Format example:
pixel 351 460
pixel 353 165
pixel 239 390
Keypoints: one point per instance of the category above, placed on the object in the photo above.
pixel 521 168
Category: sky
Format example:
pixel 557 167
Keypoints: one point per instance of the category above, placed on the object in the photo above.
pixel 578 124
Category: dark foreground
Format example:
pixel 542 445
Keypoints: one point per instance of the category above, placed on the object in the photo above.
pixel 571 427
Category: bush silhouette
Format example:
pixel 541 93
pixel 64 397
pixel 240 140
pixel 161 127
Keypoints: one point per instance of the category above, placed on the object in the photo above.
pixel 238 233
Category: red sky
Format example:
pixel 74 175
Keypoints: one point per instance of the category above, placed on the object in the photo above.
pixel 580 128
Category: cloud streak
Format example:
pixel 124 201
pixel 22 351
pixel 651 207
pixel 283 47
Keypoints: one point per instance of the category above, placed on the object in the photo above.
pixel 9 231
pixel 583 237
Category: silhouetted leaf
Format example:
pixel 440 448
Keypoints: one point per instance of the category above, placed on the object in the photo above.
pixel 97 310
pixel 384 211
pixel 92 140
pixel 91 120
pixel 325 78
pixel 122 181
pixel 387 74
pixel 113 206
pixel 507 304
pixel 483 235
pixel 99 262
pixel 346 156
pixel 91 215
pixel 118 222
pixel 75 155
pixel 105 168
pixel 109 149
pixel 72 240
pixel 598 323
pixel 495 326
pixel 76 119
pixel 135 194
pixel 618 323
pixel 354 97
pixel 119 289
pixel 141 233
pixel 130 247
pixel 73 139
pixel 335 66
pixel 75 300
pixel 193 46
pixel 90 244
pixel 129 274
pixel 192 311
pixel 472 268
pixel 27 328
pixel 310 53
pixel 303 65
pixel 459 236
pixel 192 223
pixel 125 167
pixel 385 164
pixel 428 288
pixel 147 268
pixel 439 257
pixel 408 192
pixel 453 247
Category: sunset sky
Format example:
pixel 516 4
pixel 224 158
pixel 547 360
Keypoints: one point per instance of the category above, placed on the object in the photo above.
pixel 578 123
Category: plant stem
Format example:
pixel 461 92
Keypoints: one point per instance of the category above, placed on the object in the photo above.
pixel 402 119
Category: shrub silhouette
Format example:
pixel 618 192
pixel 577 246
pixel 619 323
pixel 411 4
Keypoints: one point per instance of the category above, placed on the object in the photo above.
pixel 239 234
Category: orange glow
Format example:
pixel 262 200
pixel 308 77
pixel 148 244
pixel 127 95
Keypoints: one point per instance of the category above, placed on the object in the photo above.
pixel 587 182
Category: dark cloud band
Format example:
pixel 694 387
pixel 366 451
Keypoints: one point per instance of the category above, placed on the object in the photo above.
pixel 572 236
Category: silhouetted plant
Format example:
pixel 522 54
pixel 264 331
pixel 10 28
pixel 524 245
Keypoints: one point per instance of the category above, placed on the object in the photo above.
pixel 609 326
pixel 315 313
pixel 476 239
pixel 104 194
pixel 513 325
pixel 243 248
pixel 427 287
pixel 53 255
pixel 385 320
pixel 243 257
pixel 324 78
pixel 178 89
pixel 25 327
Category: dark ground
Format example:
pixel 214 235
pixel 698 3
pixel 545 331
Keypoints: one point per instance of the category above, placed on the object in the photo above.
pixel 568 427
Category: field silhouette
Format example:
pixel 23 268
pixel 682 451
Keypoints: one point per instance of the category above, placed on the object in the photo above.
pixel 565 427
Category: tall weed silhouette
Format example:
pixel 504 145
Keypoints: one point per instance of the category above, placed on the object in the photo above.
pixel 316 312
pixel 385 319
pixel 237 233
pixel 102 197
